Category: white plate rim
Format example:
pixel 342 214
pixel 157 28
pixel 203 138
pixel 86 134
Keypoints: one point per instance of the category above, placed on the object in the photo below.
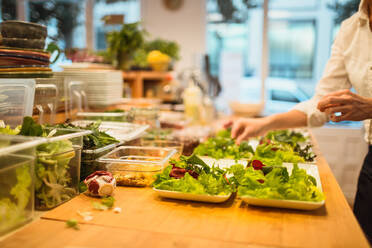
pixel 192 197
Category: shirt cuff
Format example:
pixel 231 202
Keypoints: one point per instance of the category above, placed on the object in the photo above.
pixel 315 118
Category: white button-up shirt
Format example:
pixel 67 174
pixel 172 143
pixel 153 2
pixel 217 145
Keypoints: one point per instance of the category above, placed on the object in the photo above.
pixel 350 65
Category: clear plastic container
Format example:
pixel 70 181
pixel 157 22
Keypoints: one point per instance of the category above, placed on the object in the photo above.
pixel 158 134
pixel 174 120
pixel 89 157
pixel 57 171
pixel 16 100
pixel 136 166
pixel 17 157
pixel 106 116
pixel 46 101
pixel 62 93
pixel 172 144
pixel 123 131
pixel 146 116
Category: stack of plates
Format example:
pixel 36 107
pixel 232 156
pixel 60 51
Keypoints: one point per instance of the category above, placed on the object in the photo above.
pixel 103 87
pixel 22 54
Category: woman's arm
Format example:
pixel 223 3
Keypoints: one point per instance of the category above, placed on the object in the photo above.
pixel 245 128
pixel 349 106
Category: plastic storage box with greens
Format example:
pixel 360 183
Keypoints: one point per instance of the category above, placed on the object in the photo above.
pixel 17 156
pixel 57 169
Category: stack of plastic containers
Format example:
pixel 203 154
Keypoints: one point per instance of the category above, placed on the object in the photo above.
pixel 16 99
pixel 57 168
pixel 59 88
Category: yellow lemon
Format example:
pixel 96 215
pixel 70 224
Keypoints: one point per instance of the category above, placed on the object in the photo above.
pixel 156 56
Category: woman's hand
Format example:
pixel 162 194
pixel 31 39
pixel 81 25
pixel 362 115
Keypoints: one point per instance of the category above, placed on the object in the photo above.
pixel 244 128
pixel 351 106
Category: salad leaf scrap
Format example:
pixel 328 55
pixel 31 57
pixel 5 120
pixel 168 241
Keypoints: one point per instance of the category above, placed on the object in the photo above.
pixel 104 204
pixel 72 223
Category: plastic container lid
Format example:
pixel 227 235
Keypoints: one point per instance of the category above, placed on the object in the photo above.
pixel 70 134
pixel 101 149
pixel 106 116
pixel 16 100
pixel 139 155
pixel 17 143
pixel 121 131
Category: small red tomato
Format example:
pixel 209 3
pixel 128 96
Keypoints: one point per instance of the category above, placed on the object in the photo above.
pixel 257 164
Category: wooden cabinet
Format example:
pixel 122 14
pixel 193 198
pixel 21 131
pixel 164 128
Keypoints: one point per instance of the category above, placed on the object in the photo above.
pixel 138 80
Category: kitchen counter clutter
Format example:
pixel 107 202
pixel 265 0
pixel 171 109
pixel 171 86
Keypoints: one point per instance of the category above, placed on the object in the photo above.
pixel 279 167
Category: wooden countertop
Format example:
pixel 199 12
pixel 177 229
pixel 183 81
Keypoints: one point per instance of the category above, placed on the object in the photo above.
pixel 149 221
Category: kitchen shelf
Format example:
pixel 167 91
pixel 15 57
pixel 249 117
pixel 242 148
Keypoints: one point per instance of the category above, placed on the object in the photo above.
pixel 137 80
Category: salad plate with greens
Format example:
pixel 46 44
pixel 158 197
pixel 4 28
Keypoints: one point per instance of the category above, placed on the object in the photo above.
pixel 275 148
pixel 190 178
pixel 295 186
pixel 291 141
pixel 222 146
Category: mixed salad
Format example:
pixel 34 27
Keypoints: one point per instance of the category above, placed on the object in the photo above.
pixel 290 140
pixel 264 177
pixel 192 175
pixel 276 148
pixel 223 146
pixel 275 183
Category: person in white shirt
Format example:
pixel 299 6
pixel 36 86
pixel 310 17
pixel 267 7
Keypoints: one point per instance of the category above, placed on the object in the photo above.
pixel 350 66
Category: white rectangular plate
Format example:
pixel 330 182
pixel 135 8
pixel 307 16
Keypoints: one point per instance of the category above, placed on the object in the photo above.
pixel 222 163
pixel 192 197
pixel 312 170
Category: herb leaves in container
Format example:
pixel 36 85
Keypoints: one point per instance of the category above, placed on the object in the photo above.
pixel 95 145
pixel 57 164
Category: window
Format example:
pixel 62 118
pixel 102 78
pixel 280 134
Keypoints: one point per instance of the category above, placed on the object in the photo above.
pixel 282 95
pixel 65 20
pixel 299 34
pixel 128 11
pixel 291 48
